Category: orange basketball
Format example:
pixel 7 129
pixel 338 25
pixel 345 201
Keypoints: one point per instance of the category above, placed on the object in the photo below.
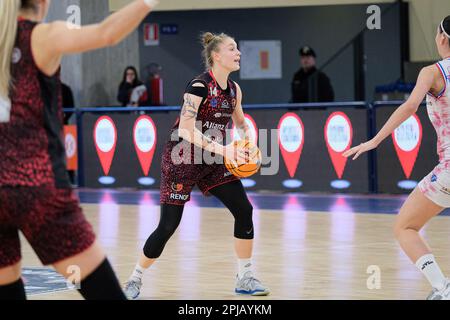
pixel 252 164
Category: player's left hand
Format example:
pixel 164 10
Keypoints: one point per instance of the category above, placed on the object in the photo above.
pixel 251 149
pixel 359 150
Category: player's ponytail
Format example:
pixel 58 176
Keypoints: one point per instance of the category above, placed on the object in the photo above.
pixel 9 11
pixel 211 42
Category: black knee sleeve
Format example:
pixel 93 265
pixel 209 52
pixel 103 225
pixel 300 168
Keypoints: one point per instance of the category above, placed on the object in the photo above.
pixel 233 196
pixel 243 222
pixel 168 224
pixel 13 291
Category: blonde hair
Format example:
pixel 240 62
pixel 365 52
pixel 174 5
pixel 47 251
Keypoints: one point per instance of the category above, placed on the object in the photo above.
pixel 211 43
pixel 9 10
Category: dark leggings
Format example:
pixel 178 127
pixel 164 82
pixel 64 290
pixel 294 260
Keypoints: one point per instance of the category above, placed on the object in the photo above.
pixel 232 195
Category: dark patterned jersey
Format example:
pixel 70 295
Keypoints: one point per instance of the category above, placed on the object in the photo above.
pixel 31 148
pixel 216 110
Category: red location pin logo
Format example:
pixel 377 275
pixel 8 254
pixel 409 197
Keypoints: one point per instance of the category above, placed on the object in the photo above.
pixel 105 139
pixel 144 137
pixel 407 139
pixel 253 129
pixel 338 136
pixel 291 135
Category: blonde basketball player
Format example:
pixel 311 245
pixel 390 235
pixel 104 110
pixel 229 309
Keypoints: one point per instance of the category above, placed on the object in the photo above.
pixel 211 101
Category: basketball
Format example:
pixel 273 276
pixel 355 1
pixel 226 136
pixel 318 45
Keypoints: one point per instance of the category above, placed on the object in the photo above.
pixel 252 164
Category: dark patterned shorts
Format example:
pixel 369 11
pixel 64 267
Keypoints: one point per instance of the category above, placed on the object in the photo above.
pixel 51 220
pixel 177 181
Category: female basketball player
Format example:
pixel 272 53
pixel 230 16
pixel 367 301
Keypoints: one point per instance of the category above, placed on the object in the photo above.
pixel 433 193
pixel 35 193
pixel 210 101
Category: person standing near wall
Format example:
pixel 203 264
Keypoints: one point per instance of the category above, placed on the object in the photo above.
pixel 310 84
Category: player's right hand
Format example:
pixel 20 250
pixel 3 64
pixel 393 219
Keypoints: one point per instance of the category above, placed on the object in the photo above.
pixel 358 150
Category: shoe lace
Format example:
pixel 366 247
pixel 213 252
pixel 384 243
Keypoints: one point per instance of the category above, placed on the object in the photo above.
pixel 446 291
pixel 132 284
pixel 250 282
pixel 432 294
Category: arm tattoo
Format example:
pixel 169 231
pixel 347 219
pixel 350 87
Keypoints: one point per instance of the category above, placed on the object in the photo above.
pixel 189 111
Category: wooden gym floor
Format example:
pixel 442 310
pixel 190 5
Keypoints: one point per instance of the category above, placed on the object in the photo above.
pixel 306 247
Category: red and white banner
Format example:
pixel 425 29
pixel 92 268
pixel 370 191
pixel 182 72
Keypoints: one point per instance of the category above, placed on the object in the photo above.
pixel 291 138
pixel 144 138
pixel 70 141
pixel 407 139
pixel 105 139
pixel 338 133
pixel 151 34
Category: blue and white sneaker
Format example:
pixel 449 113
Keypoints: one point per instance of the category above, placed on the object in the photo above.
pixel 249 285
pixel 132 289
pixel 443 294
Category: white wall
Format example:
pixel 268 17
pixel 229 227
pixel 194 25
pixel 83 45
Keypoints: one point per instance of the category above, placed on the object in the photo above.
pixel 173 5
pixel 95 76
pixel 425 16
pixel 71 70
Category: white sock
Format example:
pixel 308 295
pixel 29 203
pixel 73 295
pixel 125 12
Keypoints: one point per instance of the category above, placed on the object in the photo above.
pixel 430 269
pixel 245 265
pixel 138 273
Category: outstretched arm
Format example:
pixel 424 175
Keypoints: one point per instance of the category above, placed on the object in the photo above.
pixel 52 40
pixel 407 109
